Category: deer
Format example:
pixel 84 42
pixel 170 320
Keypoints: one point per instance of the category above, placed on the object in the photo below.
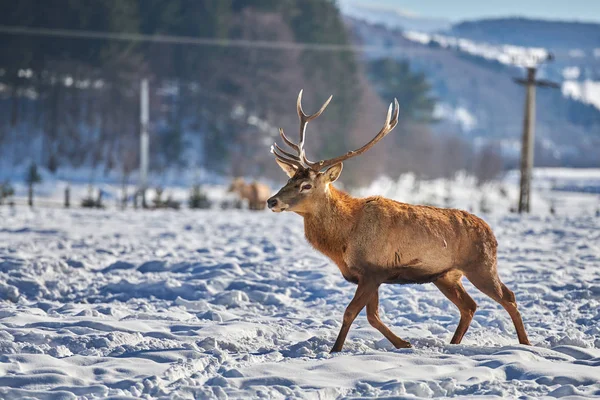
pixel 256 193
pixel 376 240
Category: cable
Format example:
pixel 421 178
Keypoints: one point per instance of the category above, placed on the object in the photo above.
pixel 188 40
pixel 259 44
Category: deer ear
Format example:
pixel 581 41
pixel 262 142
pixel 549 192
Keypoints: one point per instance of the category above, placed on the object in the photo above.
pixel 333 172
pixel 288 169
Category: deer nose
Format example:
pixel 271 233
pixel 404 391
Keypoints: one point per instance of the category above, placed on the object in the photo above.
pixel 272 202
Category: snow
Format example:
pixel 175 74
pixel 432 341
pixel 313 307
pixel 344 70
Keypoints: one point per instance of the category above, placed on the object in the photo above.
pixel 573 86
pixel 505 54
pixel 563 189
pixel 571 72
pixel 222 303
pixel 587 91
pixel 459 115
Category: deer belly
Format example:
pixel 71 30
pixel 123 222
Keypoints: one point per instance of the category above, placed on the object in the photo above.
pixel 405 263
pixel 347 273
pixel 412 275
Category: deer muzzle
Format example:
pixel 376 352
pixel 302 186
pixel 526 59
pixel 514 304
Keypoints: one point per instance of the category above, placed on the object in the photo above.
pixel 276 205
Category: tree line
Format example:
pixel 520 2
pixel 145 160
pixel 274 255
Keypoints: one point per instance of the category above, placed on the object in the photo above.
pixel 71 102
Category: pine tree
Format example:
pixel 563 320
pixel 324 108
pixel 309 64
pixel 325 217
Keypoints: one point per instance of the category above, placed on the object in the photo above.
pixel 198 198
pixel 212 81
pixel 394 79
pixel 6 191
pixel 32 178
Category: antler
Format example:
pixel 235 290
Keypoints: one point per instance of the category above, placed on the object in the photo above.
pixel 300 159
pixel 304 119
pixel 390 123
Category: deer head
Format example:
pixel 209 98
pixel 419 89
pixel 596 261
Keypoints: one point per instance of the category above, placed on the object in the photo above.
pixel 309 181
pixel 237 185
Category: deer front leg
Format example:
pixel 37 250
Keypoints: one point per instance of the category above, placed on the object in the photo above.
pixel 364 292
pixel 373 318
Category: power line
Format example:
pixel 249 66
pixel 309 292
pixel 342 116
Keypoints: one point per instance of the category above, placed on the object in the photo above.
pixel 398 50
pixel 195 41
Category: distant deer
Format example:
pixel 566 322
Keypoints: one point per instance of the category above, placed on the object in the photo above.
pixel 256 193
pixel 377 240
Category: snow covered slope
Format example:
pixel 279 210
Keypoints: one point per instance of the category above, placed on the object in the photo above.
pixel 392 17
pixel 216 304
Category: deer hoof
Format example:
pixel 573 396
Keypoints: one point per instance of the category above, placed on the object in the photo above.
pixel 403 345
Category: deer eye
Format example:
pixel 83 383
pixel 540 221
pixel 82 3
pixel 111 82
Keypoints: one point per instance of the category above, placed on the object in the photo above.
pixel 306 186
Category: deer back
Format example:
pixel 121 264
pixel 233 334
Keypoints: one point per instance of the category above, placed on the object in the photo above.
pixel 390 235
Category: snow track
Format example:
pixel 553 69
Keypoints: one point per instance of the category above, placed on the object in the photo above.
pixel 236 304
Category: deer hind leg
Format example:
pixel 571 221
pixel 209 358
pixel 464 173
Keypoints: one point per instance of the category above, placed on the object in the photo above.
pixel 491 285
pixel 451 286
pixel 364 293
pixel 375 321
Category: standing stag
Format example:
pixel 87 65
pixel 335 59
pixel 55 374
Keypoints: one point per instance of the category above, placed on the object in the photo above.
pixel 377 240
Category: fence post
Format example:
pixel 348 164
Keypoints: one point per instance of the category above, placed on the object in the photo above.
pixel 67 196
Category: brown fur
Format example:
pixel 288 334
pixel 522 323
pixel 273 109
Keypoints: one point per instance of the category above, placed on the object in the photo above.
pixel 377 240
pixel 255 193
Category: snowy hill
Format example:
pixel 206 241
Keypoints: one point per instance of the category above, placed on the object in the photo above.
pixel 557 35
pixel 575 44
pixel 473 82
pixel 574 68
pixel 393 18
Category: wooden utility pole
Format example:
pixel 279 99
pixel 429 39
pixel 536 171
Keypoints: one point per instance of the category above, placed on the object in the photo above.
pixel 528 142
pixel 144 140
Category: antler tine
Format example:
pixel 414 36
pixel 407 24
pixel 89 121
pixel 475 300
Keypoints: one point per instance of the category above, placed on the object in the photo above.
pixel 301 113
pixel 288 141
pixel 390 123
pixel 291 164
pixel 304 118
pixel 289 161
pixel 285 153
pixel 299 160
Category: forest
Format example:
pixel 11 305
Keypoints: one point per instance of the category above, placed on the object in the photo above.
pixel 69 102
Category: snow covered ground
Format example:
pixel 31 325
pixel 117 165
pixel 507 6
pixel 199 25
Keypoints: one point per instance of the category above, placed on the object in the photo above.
pixel 217 304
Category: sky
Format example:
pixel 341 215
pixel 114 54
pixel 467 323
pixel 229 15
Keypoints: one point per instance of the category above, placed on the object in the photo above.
pixel 458 10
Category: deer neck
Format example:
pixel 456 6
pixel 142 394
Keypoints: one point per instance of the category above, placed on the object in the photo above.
pixel 327 227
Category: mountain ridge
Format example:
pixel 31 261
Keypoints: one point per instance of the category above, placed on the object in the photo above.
pixel 531 32
pixel 483 89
